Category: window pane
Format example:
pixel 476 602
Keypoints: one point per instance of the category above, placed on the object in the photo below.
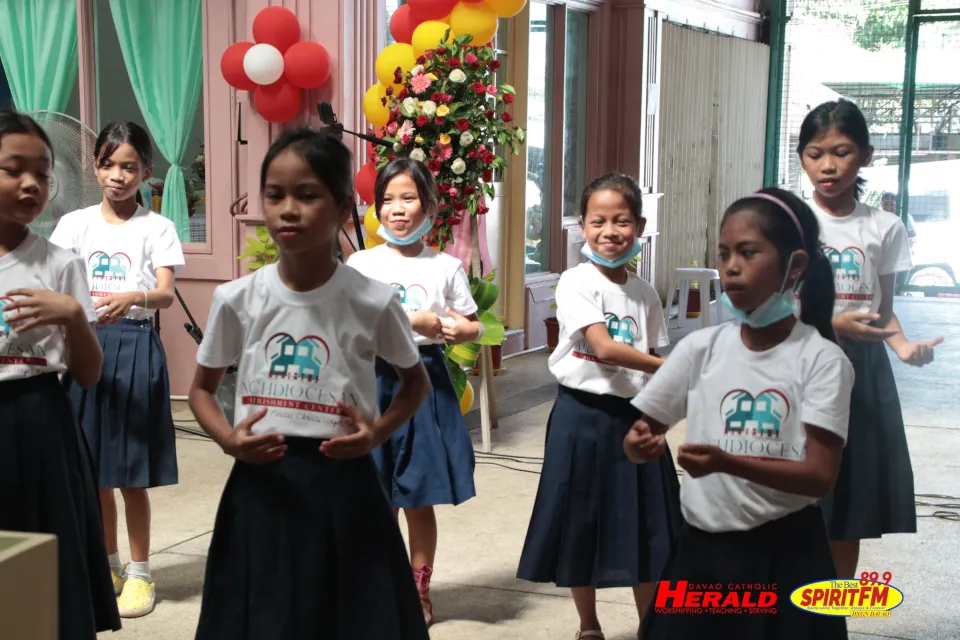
pixel 538 147
pixel 575 110
pixel 392 5
pixel 116 101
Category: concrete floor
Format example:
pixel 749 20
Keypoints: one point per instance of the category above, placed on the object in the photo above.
pixel 475 591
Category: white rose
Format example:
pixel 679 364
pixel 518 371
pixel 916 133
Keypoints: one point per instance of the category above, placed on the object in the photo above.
pixel 418 155
pixel 429 108
pixel 410 106
pixel 458 76
pixel 417 70
pixel 458 166
pixel 466 139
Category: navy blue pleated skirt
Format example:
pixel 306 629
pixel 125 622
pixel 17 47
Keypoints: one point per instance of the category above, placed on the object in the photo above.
pixel 308 547
pixel 790 552
pixel 599 520
pixel 874 492
pixel 429 460
pixel 126 417
pixel 47 486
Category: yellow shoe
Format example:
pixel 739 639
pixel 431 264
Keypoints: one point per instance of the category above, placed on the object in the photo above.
pixel 119 579
pixel 137 598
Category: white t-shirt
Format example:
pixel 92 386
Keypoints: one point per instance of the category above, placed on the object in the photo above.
pixel 121 257
pixel 38 264
pixel 633 315
pixel 749 404
pixel 861 247
pixel 302 352
pixel 431 281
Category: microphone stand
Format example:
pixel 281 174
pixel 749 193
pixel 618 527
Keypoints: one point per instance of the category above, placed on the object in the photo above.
pixel 335 128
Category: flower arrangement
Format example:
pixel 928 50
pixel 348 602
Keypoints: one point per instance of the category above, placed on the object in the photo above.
pixel 448 113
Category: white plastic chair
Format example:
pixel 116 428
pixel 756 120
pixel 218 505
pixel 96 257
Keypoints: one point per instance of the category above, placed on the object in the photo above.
pixel 682 277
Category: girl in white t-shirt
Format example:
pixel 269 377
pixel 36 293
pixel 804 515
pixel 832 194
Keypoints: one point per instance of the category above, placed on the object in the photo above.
pixel 305 543
pixel 867 247
pixel 766 401
pixel 46 475
pixel 429 460
pixel 600 521
pixel 131 256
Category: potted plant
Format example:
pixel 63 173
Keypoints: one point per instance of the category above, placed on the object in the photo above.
pixel 485 294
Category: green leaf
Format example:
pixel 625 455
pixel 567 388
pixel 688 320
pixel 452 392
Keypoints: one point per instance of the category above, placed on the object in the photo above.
pixel 493 329
pixel 521 136
pixel 254 265
pixel 262 233
pixel 506 88
pixel 457 375
pixel 490 276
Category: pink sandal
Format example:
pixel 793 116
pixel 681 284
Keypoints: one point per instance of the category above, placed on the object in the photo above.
pixel 422 576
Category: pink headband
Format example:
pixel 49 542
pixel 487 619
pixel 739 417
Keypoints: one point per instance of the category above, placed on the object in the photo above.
pixel 783 205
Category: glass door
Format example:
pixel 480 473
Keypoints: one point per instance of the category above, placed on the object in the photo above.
pixel 929 198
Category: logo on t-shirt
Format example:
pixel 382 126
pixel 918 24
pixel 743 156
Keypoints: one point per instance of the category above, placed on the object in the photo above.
pixel 413 297
pixel 763 415
pixel 848 271
pixel 294 359
pixel 624 330
pixel 17 351
pixel 108 272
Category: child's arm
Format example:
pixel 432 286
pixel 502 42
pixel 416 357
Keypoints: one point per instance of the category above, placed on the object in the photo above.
pixel 461 328
pixel 914 353
pixel 608 350
pixel 237 442
pixel 114 308
pixel 813 476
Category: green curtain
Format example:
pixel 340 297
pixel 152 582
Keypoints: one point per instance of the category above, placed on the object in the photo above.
pixel 162 45
pixel 38 47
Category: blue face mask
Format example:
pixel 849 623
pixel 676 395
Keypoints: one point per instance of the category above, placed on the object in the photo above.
pixel 406 240
pixel 588 253
pixel 780 305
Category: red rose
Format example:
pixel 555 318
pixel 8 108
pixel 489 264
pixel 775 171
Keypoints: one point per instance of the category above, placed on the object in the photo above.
pixel 428 54
pixel 508 98
pixel 487 157
pixel 473 154
pixel 397 77
pixel 405 140
pixel 487 176
pixel 453 63
pixel 392 117
pixel 447 98
pixel 445 186
pixel 494 64
pixel 440 189
pixel 437 97
pixel 421 60
pixel 423 121
pixel 469 190
pixel 479 88
pixel 389 91
pixel 441 50
pixel 506 117
pixel 482 209
pixel 402 93
pixel 490 114
pixel 453 221
pixel 391 157
pixel 463 124
pixel 491 90
pixel 470 58
pixel 439 121
pixel 434 166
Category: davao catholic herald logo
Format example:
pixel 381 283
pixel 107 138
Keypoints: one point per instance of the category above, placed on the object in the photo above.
pixel 623 330
pixel 413 297
pixel 752 425
pixel 108 272
pixel 13 350
pixel 293 384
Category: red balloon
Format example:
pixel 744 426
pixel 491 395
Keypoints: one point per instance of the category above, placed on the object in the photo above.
pixel 306 65
pixel 277 26
pixel 431 9
pixel 277 102
pixel 366 180
pixel 231 66
pixel 402 24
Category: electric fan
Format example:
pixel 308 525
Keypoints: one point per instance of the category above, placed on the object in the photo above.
pixel 73 184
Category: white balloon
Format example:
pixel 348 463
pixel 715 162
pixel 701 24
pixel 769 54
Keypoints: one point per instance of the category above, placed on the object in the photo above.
pixel 263 63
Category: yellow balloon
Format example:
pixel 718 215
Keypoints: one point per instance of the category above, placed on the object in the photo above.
pixel 428 35
pixel 476 19
pixel 445 20
pixel 466 400
pixel 393 56
pixel 373 107
pixel 506 8
pixel 370 223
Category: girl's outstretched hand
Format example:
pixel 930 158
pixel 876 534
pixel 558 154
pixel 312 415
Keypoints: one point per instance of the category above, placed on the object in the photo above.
pixel 919 353
pixel 701 459
pixel 246 447
pixel 458 329
pixel 641 445
pixel 361 442
pixel 38 307
pixel 854 326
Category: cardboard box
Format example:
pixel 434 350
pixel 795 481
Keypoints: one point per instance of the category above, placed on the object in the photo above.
pixel 28 586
